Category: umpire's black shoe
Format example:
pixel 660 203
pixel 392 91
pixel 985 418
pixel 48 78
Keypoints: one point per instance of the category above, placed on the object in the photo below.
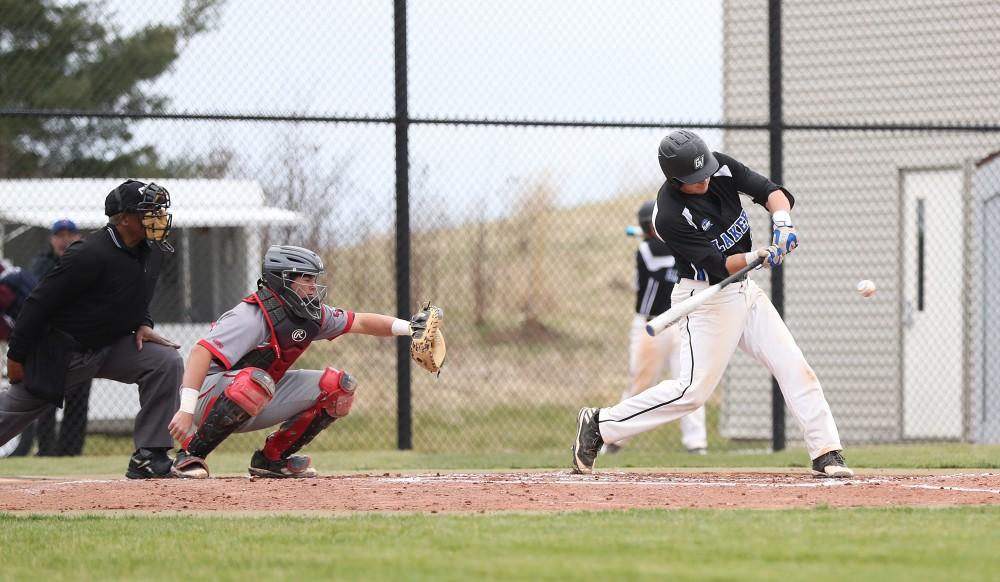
pixel 149 464
pixel 831 464
pixel 294 467
pixel 588 441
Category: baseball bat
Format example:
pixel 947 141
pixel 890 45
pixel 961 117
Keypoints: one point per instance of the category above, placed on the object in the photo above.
pixel 672 315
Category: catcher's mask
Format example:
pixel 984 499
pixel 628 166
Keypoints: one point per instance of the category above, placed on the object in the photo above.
pixel 149 201
pixel 282 272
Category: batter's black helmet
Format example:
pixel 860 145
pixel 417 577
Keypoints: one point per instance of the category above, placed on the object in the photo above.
pixel 684 157
pixel 646 214
pixel 282 265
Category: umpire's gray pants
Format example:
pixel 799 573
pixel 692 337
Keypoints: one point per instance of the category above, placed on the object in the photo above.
pixel 157 369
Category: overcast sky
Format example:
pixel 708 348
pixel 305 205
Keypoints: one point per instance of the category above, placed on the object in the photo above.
pixel 635 60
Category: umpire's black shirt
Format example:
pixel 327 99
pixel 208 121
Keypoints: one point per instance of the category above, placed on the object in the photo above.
pixel 703 229
pixel 98 292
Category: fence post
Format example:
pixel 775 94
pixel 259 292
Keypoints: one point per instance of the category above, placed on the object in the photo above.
pixel 776 123
pixel 404 412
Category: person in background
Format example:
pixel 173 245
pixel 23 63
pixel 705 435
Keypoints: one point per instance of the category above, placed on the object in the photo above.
pixel 655 276
pixel 15 287
pixel 72 432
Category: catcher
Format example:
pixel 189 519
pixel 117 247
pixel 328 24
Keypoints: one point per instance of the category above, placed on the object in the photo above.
pixel 237 378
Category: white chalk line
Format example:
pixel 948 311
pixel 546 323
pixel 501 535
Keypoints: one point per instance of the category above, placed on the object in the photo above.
pixel 611 479
pixel 676 481
pixel 947 488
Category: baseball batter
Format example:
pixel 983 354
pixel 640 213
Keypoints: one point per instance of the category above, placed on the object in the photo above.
pixel 237 377
pixel 655 276
pixel 699 214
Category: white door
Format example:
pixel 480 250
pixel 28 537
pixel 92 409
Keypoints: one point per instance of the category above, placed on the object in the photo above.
pixel 932 326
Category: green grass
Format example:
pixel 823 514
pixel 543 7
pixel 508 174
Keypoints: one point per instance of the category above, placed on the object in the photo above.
pixel 817 544
pixel 922 456
pixel 821 543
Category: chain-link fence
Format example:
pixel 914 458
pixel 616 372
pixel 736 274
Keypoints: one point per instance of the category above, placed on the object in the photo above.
pixel 530 130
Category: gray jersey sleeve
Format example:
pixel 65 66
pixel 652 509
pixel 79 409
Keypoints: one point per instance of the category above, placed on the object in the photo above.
pixel 335 323
pixel 238 331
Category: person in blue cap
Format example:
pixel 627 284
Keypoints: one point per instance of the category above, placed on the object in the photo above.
pixel 72 432
pixel 63 234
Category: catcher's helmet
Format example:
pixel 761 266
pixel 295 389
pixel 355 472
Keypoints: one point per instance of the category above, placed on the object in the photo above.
pixel 685 158
pixel 283 264
pixel 646 214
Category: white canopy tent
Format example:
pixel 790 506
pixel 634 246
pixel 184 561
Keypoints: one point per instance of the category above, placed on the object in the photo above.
pixel 194 204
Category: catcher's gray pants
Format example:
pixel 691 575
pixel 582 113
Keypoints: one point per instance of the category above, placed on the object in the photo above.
pixel 298 390
pixel 157 369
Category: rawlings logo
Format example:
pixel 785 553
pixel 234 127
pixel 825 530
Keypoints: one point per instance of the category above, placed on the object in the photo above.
pixel 298 335
pixel 699 162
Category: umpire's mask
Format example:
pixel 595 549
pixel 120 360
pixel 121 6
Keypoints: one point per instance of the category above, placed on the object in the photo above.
pixel 149 201
pixel 153 211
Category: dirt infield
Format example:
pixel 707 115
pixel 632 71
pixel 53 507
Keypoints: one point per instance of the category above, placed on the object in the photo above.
pixel 482 492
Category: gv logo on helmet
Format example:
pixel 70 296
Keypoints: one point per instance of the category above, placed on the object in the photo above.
pixel 699 162
pixel 298 335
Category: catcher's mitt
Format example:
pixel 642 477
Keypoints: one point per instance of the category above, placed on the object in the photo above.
pixel 427 346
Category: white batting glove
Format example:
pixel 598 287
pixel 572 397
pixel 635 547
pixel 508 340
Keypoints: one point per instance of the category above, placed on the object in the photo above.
pixel 784 236
pixel 772 255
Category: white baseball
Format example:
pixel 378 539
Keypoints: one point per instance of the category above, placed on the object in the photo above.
pixel 866 288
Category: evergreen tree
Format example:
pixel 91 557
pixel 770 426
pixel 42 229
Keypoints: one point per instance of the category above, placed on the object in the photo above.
pixel 59 55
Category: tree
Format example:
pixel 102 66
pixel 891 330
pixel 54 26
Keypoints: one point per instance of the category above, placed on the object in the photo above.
pixel 316 187
pixel 56 55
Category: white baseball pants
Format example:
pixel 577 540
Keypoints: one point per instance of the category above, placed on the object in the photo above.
pixel 648 356
pixel 741 315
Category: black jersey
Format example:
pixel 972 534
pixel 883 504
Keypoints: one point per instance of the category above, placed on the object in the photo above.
pixel 701 230
pixel 655 275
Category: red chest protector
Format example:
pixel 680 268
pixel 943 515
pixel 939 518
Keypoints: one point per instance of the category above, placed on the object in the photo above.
pixel 289 336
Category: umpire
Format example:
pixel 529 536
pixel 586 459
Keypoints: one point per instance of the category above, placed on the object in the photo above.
pixel 89 318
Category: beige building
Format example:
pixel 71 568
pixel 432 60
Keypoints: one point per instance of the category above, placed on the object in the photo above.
pixel 903 208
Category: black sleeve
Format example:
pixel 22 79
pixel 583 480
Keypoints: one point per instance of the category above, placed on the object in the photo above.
pixel 749 182
pixel 79 269
pixel 690 245
pixel 641 277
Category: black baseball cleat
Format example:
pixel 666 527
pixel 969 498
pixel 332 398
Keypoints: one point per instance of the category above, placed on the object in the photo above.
pixel 294 467
pixel 588 441
pixel 149 464
pixel 831 464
